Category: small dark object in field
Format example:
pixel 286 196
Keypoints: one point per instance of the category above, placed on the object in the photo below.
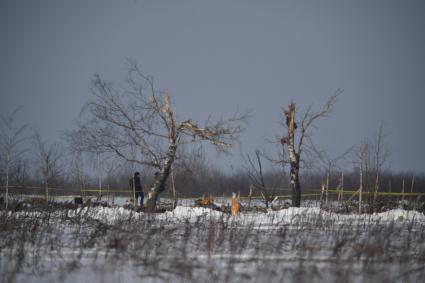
pixel 78 200
pixel 127 206
pixel 20 205
pixel 422 208
pixel 382 205
pixel 1 200
pixel 160 210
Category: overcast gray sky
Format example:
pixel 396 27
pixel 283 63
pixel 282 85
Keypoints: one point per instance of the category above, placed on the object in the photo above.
pixel 218 56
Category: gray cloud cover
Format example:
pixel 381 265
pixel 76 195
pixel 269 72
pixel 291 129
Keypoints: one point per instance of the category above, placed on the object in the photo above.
pixel 218 56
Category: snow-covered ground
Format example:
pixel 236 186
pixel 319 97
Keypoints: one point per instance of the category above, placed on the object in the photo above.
pixel 290 216
pixel 113 244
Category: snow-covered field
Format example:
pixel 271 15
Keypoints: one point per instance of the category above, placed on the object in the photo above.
pixel 197 244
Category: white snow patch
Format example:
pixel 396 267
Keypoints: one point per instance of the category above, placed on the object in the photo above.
pixel 288 216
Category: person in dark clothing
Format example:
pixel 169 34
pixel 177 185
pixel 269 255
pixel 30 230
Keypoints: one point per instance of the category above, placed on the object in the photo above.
pixel 137 187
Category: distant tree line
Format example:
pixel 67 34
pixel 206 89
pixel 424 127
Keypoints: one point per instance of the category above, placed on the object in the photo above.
pixel 192 180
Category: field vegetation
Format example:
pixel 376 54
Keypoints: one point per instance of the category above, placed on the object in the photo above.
pixel 112 244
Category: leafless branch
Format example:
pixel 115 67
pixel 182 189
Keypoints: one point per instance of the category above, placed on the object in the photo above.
pixel 309 117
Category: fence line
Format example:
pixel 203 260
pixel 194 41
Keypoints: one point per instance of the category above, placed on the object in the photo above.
pixel 306 194
pixel 69 189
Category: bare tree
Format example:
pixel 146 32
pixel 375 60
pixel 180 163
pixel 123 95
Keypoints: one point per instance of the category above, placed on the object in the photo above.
pixel 82 140
pixel 296 143
pixel 74 140
pixel 112 169
pixel 330 164
pixel 254 168
pixel 47 156
pixel 139 115
pixel 375 153
pixel 19 172
pixel 77 170
pixel 380 155
pixel 11 138
pixel 361 173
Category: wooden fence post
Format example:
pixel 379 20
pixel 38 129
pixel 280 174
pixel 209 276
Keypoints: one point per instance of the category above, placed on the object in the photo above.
pixel 402 192
pixel 362 154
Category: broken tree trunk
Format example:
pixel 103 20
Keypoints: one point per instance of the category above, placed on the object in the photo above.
pixel 174 189
pixel 294 157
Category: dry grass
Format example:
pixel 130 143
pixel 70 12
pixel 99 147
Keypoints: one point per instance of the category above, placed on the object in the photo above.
pixel 33 242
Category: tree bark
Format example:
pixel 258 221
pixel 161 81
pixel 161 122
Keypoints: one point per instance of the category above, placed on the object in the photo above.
pixel 294 157
pixel 328 172
pixel 7 180
pixel 295 185
pixel 174 189
pixel 159 184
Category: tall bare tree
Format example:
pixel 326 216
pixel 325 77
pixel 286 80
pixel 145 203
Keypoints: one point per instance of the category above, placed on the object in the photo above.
pixel 296 143
pixel 11 138
pixel 74 140
pixel 82 140
pixel 139 115
pixel 77 169
pixel 47 156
